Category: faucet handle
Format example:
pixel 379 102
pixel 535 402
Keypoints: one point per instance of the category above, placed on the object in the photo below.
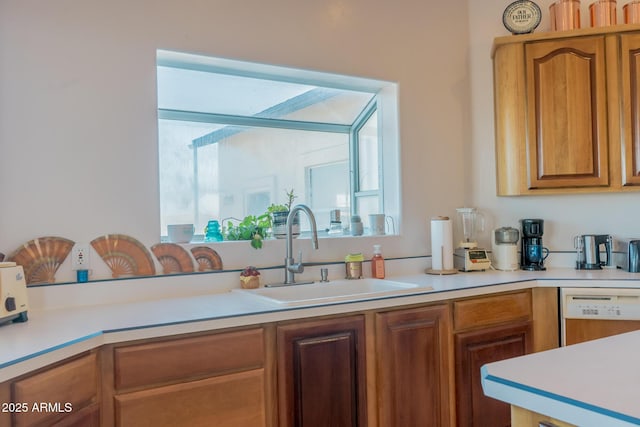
pixel 300 265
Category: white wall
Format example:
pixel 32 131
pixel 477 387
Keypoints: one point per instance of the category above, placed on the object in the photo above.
pixel 565 216
pixel 78 133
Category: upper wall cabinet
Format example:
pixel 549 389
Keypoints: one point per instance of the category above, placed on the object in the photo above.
pixel 567 111
pixel 630 63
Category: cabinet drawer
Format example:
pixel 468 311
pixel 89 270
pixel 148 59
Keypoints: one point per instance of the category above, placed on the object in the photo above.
pixel 233 400
pixel 491 310
pixel 184 358
pixel 74 383
pixel 86 417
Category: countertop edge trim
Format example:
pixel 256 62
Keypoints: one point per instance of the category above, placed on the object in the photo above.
pixel 557 398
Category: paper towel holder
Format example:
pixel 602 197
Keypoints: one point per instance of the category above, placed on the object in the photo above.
pixel 442 254
pixel 441 272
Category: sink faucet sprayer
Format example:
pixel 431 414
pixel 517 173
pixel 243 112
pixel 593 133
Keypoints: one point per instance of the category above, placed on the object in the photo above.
pixel 290 266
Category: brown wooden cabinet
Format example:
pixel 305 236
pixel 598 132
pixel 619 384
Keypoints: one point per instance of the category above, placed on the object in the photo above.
pixel 566 112
pixel 523 418
pixel 581 330
pixel 64 394
pixel 413 367
pixel 630 71
pixel 567 140
pixel 475 348
pixel 488 329
pixel 322 373
pixel 202 380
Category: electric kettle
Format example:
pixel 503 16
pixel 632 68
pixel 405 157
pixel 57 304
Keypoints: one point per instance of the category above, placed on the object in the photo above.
pixel 588 251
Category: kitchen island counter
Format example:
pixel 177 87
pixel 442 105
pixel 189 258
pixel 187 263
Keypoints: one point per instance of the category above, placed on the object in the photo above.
pixel 596 383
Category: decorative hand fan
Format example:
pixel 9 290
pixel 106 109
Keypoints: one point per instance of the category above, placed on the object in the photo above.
pixel 173 258
pixel 124 255
pixel 207 258
pixel 41 257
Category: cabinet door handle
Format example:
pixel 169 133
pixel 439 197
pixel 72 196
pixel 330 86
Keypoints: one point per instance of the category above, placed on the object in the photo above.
pixel 546 424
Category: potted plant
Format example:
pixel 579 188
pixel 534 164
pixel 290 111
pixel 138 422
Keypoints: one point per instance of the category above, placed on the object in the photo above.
pixel 279 214
pixel 253 228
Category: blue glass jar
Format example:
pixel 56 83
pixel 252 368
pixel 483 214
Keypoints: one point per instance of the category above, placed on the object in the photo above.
pixel 212 232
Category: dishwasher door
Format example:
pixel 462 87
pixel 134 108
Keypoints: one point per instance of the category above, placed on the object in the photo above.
pixel 592 313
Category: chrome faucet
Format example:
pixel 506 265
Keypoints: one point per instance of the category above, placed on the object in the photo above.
pixel 290 266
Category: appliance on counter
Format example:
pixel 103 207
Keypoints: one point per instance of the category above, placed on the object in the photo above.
pixel 13 293
pixel 504 247
pixel 631 261
pixel 532 253
pixel 467 256
pixel 592 313
pixel 588 251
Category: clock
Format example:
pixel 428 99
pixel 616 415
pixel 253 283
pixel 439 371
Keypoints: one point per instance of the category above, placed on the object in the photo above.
pixel 521 17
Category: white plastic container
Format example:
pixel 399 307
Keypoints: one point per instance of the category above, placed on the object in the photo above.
pixel 180 233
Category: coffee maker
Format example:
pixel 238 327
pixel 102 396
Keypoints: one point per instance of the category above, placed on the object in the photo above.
pixel 532 253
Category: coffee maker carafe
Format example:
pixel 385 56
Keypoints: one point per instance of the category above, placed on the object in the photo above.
pixel 532 253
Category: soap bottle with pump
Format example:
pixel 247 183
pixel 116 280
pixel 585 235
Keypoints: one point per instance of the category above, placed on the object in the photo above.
pixel 377 263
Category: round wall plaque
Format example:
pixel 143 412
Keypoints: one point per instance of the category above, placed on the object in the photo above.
pixel 521 17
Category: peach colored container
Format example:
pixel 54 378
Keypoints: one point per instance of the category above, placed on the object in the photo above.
pixel 603 13
pixel 565 15
pixel 631 12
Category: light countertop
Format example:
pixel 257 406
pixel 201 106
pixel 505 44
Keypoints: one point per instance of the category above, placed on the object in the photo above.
pixel 596 383
pixel 55 331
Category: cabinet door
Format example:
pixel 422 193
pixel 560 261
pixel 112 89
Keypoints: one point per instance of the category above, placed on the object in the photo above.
pixel 566 113
pixel 474 349
pixel 321 373
pixel 413 371
pixel 59 392
pixel 630 69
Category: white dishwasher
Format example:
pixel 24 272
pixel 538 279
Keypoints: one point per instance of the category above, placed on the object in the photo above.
pixel 592 313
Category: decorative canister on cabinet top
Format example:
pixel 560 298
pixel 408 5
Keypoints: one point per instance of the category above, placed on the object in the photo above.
pixel 565 15
pixel 631 12
pixel 603 13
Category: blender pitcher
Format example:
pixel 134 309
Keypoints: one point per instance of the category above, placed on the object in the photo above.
pixel 471 221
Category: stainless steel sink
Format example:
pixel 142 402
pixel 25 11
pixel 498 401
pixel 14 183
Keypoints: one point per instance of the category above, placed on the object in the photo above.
pixel 336 290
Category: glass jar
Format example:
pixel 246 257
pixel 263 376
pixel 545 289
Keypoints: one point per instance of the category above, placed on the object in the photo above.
pixel 353 266
pixel 212 232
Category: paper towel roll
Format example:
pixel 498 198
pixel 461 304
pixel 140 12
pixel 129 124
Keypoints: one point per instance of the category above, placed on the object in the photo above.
pixel 441 243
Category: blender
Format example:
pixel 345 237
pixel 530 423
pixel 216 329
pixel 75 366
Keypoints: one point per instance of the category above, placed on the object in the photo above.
pixel 504 247
pixel 467 256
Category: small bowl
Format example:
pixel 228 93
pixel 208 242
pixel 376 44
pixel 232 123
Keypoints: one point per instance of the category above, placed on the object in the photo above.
pixel 180 233
pixel 250 282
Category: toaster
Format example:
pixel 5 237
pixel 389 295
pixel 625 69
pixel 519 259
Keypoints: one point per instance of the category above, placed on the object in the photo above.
pixel 632 256
pixel 13 293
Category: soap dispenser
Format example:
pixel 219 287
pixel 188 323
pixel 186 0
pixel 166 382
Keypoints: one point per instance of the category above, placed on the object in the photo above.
pixel 377 263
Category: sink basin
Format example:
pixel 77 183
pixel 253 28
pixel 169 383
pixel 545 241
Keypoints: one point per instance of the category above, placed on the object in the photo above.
pixel 335 290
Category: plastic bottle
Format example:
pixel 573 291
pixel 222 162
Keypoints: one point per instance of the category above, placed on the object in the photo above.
pixel 377 263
